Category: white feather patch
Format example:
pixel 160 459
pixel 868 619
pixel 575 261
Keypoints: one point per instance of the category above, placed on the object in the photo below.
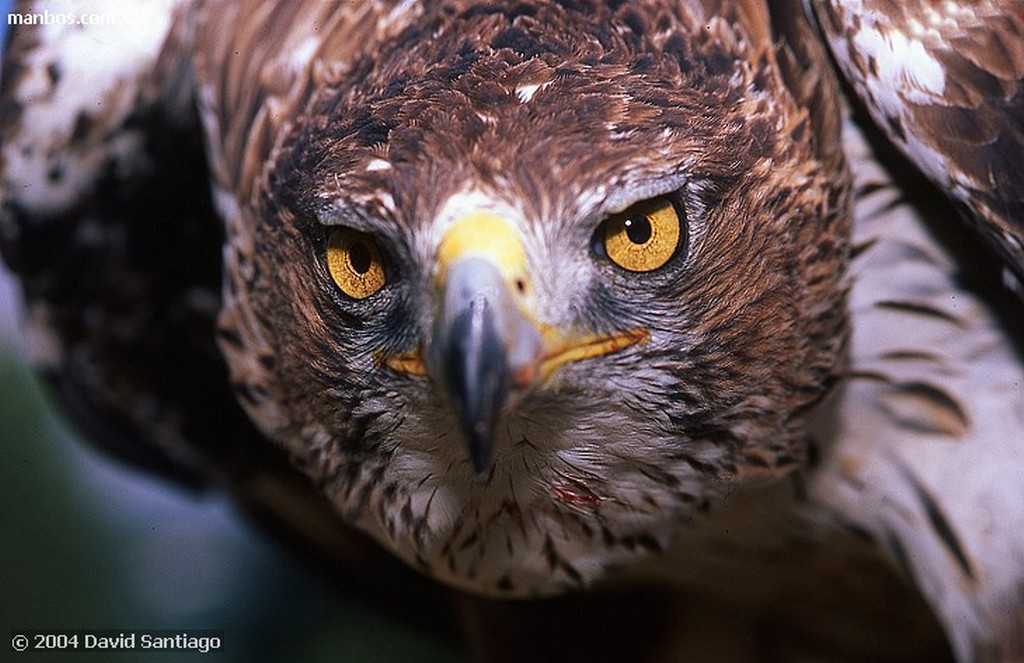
pixel 88 63
pixel 903 64
pixel 526 92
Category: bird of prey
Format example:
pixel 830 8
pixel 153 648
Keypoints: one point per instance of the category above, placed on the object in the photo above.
pixel 544 295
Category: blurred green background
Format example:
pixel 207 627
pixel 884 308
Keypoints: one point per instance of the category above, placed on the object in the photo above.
pixel 88 544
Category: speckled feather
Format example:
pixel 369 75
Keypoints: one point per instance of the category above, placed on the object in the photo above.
pixel 945 81
pixel 710 443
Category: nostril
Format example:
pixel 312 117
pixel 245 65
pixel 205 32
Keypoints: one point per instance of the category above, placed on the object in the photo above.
pixel 521 286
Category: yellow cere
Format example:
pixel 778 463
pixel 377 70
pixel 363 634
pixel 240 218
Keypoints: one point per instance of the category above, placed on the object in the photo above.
pixel 355 263
pixel 643 237
pixel 487 235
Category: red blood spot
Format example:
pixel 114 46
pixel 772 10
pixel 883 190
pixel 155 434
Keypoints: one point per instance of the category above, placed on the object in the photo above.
pixel 575 493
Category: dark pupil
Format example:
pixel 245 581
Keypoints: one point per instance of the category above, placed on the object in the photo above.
pixel 638 229
pixel 359 257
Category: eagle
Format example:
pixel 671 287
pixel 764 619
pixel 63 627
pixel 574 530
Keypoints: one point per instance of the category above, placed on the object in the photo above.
pixel 555 298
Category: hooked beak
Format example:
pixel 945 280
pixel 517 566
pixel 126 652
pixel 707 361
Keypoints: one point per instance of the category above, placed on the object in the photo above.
pixel 480 343
pixel 483 346
pixel 487 346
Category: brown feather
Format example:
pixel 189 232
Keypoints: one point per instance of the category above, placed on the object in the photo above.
pixel 967 137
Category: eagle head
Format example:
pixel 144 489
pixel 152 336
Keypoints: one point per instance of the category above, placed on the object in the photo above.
pixel 542 283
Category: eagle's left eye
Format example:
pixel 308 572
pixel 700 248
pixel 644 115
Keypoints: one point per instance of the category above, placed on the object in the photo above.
pixel 355 262
pixel 645 236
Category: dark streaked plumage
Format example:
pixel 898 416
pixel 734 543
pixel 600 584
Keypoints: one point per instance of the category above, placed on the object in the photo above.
pixel 536 294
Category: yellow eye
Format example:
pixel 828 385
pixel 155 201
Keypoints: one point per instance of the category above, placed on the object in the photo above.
pixel 355 262
pixel 645 236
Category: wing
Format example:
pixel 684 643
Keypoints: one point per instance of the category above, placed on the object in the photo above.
pixel 927 454
pixel 103 194
pixel 945 81
pixel 923 449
